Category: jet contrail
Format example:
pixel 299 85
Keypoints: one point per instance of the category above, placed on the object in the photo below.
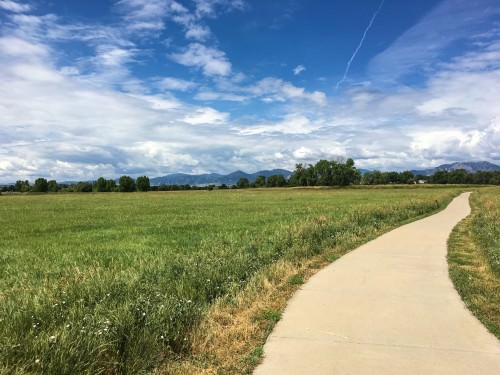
pixel 359 45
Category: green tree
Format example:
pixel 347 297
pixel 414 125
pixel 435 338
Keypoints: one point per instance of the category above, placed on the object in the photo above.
pixel 52 185
pixel 276 180
pixel 407 177
pixel 345 174
pixel 393 177
pixel 298 177
pixel 367 179
pixel 41 185
pixel 143 183
pixel 260 181
pixel 22 186
pixel 101 185
pixel 110 185
pixel 440 177
pixel 324 171
pixel 242 183
pixel 311 176
pixel 83 187
pixel 126 184
pixel 459 176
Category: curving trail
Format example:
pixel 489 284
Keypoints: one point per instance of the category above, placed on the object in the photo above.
pixel 388 307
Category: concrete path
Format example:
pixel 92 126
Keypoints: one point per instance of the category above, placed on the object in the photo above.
pixel 388 307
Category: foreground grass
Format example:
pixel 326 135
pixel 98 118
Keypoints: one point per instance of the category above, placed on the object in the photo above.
pixel 474 258
pixel 123 283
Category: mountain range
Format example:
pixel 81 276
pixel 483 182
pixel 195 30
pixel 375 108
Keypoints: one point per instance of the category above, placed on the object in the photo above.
pixel 214 178
pixel 232 178
pixel 469 166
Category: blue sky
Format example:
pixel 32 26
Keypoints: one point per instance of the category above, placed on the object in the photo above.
pixel 115 87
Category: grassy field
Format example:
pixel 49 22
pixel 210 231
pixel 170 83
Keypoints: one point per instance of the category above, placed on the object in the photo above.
pixel 474 258
pixel 118 283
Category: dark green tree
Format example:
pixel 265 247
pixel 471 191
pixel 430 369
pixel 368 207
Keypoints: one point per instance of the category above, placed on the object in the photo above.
pixel 242 183
pixel 101 185
pixel 440 177
pixel 459 176
pixel 83 187
pixel 407 177
pixel 299 177
pixel 126 184
pixel 143 183
pixel 22 186
pixel 311 176
pixel 111 185
pixel 260 181
pixel 41 185
pixel 324 171
pixel 52 185
pixel 276 180
pixel 393 177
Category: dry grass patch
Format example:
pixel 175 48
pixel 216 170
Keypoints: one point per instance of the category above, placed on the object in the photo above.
pixel 231 336
pixel 473 255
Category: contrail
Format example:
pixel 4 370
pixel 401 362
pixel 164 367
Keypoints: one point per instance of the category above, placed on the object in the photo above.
pixel 370 24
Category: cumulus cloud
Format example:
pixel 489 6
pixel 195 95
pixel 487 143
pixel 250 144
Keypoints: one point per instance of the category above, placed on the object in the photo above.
pixel 211 61
pixel 90 115
pixel 14 6
pixel 16 47
pixel 206 116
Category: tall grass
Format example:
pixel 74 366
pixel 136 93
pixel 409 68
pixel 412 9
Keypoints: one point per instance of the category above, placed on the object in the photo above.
pixel 474 258
pixel 104 284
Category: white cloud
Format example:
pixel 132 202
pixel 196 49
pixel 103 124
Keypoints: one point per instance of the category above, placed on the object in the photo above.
pixel 213 95
pixel 170 83
pixel 17 47
pixel 144 15
pixel 14 6
pixel 276 90
pixel 299 69
pixel 207 8
pixel 112 56
pixel 303 153
pixel 291 124
pixel 206 116
pixel 89 116
pixel 211 61
pixel 197 32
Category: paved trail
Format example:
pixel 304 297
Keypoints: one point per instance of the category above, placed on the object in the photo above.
pixel 388 307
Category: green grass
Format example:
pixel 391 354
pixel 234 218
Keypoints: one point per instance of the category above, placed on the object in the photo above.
pixel 116 283
pixel 474 258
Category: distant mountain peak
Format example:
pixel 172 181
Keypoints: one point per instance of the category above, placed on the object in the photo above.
pixel 214 178
pixel 469 166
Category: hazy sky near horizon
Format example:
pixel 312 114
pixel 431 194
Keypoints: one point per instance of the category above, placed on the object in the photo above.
pixel 105 88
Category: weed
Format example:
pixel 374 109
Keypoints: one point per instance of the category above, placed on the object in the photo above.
pixel 296 280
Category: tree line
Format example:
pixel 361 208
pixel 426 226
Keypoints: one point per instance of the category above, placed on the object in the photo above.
pixel 323 173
